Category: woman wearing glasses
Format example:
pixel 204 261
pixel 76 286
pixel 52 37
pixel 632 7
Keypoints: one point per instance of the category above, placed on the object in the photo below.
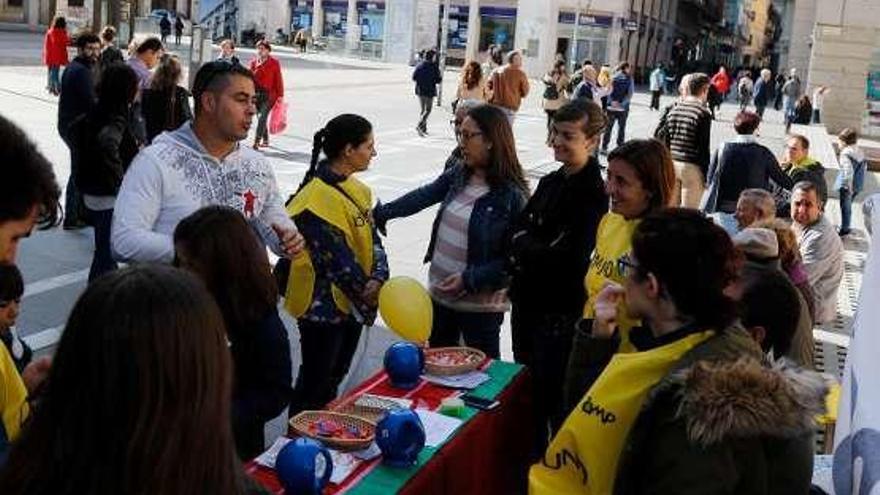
pixel 640 181
pixel 468 274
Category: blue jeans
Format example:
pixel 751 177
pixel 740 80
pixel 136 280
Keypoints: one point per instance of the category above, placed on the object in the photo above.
pixel 620 118
pixel 54 79
pixel 263 110
pixel 846 198
pixel 480 330
pixel 102 261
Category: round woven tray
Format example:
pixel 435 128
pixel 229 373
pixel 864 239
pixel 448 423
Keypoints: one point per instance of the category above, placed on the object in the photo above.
pixel 473 358
pixel 302 422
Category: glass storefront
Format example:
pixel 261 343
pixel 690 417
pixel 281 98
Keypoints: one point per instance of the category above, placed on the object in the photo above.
pixel 592 36
pixel 301 15
pixel 335 18
pixel 497 27
pixel 372 20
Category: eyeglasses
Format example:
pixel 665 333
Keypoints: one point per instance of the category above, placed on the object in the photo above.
pixel 626 266
pixel 467 136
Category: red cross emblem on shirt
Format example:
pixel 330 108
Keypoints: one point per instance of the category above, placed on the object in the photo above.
pixel 249 200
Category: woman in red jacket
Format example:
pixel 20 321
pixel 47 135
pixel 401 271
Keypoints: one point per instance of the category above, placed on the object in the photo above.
pixel 270 87
pixel 55 53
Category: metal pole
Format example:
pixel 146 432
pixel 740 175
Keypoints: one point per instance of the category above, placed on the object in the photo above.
pixel 444 42
pixel 574 37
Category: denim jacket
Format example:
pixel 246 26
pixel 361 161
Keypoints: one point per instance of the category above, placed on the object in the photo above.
pixel 487 228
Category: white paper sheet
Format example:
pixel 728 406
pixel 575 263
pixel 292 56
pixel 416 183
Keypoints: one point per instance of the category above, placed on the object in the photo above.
pixel 438 428
pixel 470 380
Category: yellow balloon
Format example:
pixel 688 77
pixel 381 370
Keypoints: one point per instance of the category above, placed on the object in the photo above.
pixel 406 307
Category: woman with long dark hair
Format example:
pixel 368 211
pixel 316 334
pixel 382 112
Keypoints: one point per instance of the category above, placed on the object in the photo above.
pixel 334 283
pixel 270 87
pixel 472 85
pixel 165 104
pixel 137 400
pixel 104 146
pixel 217 244
pixel 468 254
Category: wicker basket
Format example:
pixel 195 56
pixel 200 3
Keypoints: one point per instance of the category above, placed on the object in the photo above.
pixel 302 424
pixel 473 358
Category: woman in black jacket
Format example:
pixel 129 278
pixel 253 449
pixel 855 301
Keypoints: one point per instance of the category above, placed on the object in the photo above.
pixel 165 105
pixel 550 250
pixel 104 147
pixel 737 165
pixel 217 244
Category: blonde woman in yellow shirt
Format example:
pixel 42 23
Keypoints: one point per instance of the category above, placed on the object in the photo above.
pixel 640 181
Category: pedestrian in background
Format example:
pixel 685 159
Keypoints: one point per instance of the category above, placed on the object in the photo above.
pixel 334 285
pixel 744 89
pixel 218 246
pixel 227 52
pixel 55 53
pixel 791 91
pixel 270 87
pixel 657 80
pixel 472 85
pixel 426 76
pixel 77 98
pixel 851 177
pixel 146 57
pixel 622 90
pixel 763 92
pixel 469 272
pixel 687 132
pixel 103 148
pixel 165 28
pixel 779 82
pixel 555 94
pixel 165 104
pixel 819 95
pixel 737 165
pixel 178 30
pixel 110 53
pixel 508 86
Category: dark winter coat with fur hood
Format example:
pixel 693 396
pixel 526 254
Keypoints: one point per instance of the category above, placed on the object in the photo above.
pixel 724 422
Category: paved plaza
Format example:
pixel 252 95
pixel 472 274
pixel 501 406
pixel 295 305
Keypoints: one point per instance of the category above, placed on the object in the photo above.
pixel 55 262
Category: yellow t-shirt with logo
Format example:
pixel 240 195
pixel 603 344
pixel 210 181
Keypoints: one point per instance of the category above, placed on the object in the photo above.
pixel 583 456
pixel 613 241
pixel 354 220
pixel 13 396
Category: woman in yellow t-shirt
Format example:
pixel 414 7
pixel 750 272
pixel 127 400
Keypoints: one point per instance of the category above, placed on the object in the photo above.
pixel 640 181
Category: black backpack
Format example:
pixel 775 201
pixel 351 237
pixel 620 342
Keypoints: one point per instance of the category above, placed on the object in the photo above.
pixel 551 90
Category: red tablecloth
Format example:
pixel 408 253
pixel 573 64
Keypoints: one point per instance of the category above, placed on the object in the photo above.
pixel 489 454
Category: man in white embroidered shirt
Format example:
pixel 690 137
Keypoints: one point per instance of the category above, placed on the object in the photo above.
pixel 201 164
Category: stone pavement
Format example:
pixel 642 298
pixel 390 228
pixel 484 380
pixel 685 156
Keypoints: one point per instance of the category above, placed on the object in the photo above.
pixel 318 87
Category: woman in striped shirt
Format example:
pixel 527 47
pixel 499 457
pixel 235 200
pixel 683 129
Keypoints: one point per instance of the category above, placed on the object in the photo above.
pixel 478 200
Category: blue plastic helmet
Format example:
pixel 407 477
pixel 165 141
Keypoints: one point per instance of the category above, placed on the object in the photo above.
pixel 400 436
pixel 304 466
pixel 404 363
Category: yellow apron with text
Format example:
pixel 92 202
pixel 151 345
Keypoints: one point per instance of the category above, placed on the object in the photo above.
pixel 613 241
pixel 13 396
pixel 583 456
pixel 330 205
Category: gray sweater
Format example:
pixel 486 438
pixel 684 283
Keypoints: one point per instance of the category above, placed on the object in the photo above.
pixel 822 252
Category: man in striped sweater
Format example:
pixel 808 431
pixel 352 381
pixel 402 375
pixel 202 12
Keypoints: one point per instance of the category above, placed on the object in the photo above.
pixel 686 132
